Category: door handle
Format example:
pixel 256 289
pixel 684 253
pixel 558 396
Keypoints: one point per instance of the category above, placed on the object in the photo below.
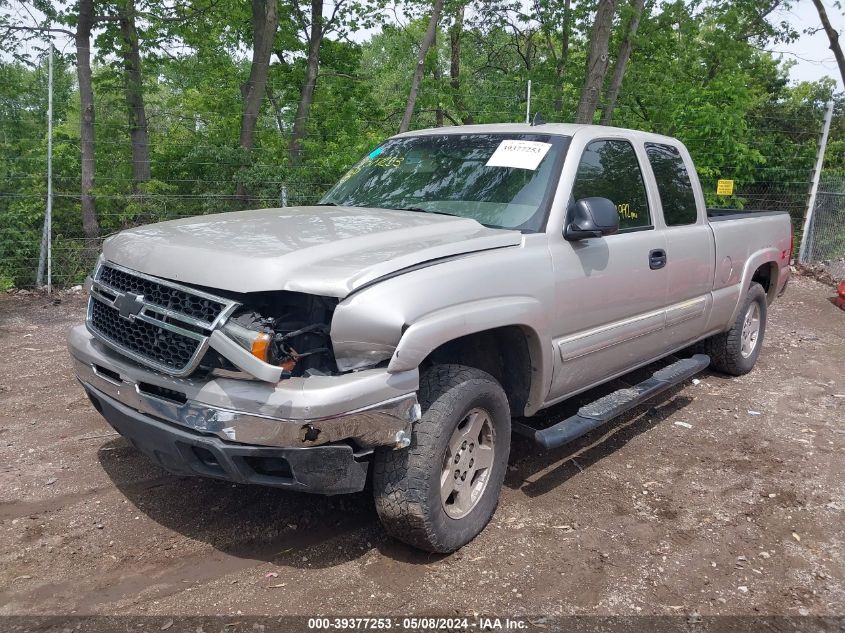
pixel 657 259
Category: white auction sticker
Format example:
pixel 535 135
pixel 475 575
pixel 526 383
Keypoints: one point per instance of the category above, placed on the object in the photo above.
pixel 519 154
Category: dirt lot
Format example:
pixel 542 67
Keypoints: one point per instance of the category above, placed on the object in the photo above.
pixel 725 497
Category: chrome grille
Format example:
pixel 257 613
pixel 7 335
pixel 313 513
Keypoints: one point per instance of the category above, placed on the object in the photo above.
pixel 153 321
pixel 163 296
pixel 162 346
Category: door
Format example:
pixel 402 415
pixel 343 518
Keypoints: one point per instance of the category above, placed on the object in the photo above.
pixel 689 246
pixel 610 291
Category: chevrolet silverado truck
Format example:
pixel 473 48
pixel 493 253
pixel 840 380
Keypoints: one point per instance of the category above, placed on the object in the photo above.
pixel 453 284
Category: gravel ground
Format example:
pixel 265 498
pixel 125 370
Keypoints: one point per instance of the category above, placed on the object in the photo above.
pixel 723 497
pixel 836 268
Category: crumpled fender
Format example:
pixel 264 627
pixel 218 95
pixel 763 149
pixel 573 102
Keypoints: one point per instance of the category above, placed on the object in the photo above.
pixel 436 328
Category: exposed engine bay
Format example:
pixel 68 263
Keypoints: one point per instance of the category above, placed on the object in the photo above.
pixel 286 329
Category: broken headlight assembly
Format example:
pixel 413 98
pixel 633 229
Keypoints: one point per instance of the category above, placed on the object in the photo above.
pixel 294 337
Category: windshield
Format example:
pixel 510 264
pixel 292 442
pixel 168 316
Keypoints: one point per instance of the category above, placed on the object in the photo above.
pixel 500 180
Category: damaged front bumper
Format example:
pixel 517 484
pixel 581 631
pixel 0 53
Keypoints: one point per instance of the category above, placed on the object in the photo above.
pixel 349 414
pixel 330 469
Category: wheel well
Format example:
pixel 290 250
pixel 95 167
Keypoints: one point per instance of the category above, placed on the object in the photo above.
pixel 766 276
pixel 502 352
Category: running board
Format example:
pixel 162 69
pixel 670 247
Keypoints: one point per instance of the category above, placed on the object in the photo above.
pixel 603 410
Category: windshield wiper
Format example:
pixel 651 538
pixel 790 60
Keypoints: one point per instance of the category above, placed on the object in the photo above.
pixel 326 204
pixel 421 210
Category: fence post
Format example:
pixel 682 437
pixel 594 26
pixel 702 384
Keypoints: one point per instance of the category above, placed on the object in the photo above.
pixel 46 235
pixel 814 186
pixel 528 104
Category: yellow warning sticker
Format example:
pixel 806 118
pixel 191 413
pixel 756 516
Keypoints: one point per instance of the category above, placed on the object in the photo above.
pixel 724 187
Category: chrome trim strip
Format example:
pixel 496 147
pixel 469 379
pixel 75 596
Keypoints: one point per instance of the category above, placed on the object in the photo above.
pixel 606 336
pixel 146 315
pixel 681 312
pixel 142 316
pixel 612 334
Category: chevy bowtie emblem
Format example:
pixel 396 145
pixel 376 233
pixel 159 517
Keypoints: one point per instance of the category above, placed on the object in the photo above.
pixel 129 305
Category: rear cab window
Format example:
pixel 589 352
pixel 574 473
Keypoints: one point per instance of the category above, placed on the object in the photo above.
pixel 673 184
pixel 610 169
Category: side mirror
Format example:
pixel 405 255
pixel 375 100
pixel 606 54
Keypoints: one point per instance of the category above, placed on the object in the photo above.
pixel 591 217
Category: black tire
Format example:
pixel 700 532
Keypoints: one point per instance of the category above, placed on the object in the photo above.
pixel 726 349
pixel 406 483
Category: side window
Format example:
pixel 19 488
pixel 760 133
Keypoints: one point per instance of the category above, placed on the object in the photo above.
pixel 673 184
pixel 610 169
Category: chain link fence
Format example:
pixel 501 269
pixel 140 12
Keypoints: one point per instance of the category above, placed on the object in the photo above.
pixel 826 233
pixel 198 168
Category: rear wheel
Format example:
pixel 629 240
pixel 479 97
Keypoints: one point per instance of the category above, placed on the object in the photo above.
pixel 735 352
pixel 440 492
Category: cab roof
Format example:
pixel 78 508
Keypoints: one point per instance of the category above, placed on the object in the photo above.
pixel 557 129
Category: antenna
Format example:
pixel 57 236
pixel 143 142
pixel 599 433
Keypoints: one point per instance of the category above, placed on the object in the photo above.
pixel 538 119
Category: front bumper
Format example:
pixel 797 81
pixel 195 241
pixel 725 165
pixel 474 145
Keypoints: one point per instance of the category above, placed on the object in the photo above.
pixel 311 434
pixel 370 408
pixel 331 469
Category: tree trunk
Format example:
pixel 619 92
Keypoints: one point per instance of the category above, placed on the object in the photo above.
pixel 622 61
pixel 455 65
pixel 133 85
pixel 563 60
pixel 86 120
pixel 265 20
pixel 596 62
pixel 425 45
pixel 833 36
pixel 306 96
pixel 437 75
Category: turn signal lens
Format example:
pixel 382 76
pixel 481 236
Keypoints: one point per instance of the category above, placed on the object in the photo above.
pixel 256 343
pixel 261 347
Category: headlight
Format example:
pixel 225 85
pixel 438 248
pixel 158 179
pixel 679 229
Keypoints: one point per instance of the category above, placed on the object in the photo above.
pixel 295 335
pixel 256 343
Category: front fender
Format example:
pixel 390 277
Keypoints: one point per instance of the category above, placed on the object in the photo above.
pixel 431 331
pixel 402 319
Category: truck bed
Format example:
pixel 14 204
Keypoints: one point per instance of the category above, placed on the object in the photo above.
pixel 715 214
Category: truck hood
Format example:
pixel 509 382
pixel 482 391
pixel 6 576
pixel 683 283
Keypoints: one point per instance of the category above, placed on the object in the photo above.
pixel 328 251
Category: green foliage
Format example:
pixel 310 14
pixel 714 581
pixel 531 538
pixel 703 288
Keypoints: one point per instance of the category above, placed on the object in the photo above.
pixel 699 72
pixel 695 76
pixel 23 162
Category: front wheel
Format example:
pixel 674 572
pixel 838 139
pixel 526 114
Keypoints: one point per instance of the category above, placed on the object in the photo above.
pixel 440 492
pixel 735 352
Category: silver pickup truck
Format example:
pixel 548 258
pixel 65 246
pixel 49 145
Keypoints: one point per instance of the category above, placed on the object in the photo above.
pixel 454 283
